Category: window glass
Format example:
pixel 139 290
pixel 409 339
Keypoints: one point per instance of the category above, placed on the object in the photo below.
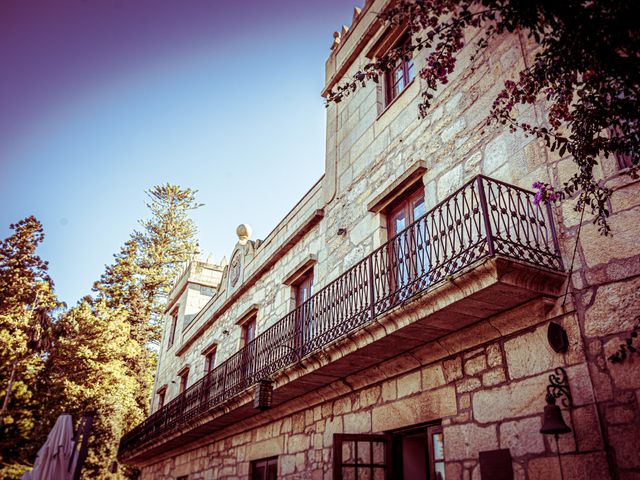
pixel 209 360
pixel 360 456
pixel 409 254
pixel 249 331
pixel 174 324
pixel 264 469
pixel 183 381
pixel 401 75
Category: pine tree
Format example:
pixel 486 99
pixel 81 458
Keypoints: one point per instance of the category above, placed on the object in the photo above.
pixel 26 332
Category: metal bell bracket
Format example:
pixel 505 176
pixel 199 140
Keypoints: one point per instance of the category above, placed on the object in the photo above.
pixel 559 387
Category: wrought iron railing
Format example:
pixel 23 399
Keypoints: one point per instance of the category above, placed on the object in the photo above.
pixel 483 218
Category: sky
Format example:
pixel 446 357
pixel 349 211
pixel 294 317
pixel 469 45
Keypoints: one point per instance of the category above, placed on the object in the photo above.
pixel 102 99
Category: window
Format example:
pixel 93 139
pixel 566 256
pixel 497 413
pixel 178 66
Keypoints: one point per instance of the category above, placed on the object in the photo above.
pixel 209 359
pixel 184 377
pixel 303 290
pixel 358 456
pixel 401 74
pixel 418 453
pixel 415 453
pixel 409 256
pixel 172 327
pixel 248 331
pixel 265 469
pixel 162 392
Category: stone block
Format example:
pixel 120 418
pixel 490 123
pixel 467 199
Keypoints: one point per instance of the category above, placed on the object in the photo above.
pixel 494 355
pixel 614 309
pixel 342 405
pixel 369 397
pixel 599 249
pixel 389 391
pixel 432 377
pixel 298 443
pixel 332 425
pixel 286 464
pixel 624 442
pixel 409 384
pixel 580 384
pixel 265 448
pixel 452 369
pixel 467 440
pixel 452 129
pixel 530 353
pixel 522 437
pixel 468 385
pixel 357 422
pixel 517 399
pixel 427 406
pixel 543 468
pixel 493 377
pixel 475 365
pixel 619 414
pixel 587 465
pixel 586 428
pixel 626 374
pixel 449 181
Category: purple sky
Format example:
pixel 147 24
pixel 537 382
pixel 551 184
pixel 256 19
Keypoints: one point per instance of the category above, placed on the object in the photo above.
pixel 101 99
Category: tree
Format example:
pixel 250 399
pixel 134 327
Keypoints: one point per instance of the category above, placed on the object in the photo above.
pixel 137 283
pixel 26 332
pixel 586 69
pixel 141 276
pixel 88 369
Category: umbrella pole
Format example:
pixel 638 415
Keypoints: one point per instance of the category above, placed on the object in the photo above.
pixel 85 425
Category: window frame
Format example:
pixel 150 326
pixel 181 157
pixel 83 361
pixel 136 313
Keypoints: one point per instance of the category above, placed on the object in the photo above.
pixel 404 202
pixel 183 374
pixel 408 255
pixel 173 327
pixel 339 438
pixel 302 291
pixel 210 358
pixel 305 280
pixel 268 461
pixel 428 430
pixel 244 325
pixel 162 395
pixel 407 67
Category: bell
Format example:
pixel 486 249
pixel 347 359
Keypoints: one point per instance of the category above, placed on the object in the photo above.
pixel 552 421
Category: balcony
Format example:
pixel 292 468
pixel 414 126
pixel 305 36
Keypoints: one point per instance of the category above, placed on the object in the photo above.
pixel 488 241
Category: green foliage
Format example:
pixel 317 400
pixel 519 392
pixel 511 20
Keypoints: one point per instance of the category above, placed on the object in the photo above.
pixel 97 356
pixel 88 369
pixel 585 72
pixel 26 332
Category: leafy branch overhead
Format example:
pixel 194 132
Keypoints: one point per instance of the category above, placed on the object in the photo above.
pixel 585 71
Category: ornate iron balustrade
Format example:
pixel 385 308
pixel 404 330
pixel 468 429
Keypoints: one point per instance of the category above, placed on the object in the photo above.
pixel 483 218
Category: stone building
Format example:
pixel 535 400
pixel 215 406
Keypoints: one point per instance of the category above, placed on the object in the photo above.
pixel 396 323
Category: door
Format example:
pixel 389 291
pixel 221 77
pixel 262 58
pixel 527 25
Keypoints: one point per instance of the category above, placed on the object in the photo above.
pixel 408 249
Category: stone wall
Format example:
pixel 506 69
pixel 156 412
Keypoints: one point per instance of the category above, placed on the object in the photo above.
pixel 488 396
pixel 487 387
